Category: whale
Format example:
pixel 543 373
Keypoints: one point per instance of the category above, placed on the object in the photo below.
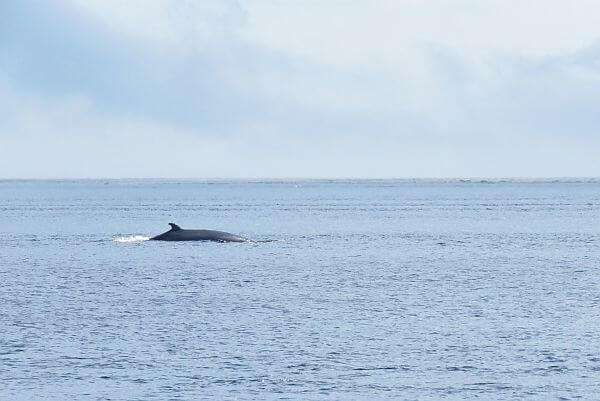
pixel 177 233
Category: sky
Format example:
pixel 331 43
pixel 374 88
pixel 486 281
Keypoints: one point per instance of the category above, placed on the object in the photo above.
pixel 299 89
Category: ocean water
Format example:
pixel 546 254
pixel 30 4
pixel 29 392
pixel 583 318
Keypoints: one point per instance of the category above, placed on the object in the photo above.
pixel 424 290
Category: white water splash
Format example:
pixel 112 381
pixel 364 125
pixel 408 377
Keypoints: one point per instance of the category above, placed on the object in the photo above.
pixel 132 238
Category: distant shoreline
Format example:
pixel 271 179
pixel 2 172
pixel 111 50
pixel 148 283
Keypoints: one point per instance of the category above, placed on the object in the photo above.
pixel 481 180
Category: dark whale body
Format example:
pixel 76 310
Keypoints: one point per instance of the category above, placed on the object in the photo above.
pixel 177 233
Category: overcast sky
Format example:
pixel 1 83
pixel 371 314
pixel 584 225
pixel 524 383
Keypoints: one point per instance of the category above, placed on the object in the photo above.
pixel 338 88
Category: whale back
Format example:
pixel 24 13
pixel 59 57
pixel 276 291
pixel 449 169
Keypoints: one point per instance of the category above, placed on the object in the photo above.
pixel 177 233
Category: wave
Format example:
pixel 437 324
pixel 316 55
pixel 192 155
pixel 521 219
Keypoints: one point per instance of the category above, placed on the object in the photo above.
pixel 131 238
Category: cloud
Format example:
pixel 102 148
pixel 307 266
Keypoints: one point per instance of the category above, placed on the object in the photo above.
pixel 395 89
pixel 67 50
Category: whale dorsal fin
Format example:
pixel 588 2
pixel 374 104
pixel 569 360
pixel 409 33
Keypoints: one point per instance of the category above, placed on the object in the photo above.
pixel 174 227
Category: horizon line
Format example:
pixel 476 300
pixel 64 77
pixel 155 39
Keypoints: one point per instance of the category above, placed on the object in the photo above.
pixel 459 178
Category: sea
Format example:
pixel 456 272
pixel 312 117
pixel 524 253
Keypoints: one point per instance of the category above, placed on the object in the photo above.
pixel 348 290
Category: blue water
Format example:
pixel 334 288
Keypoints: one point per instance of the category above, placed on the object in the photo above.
pixel 371 289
